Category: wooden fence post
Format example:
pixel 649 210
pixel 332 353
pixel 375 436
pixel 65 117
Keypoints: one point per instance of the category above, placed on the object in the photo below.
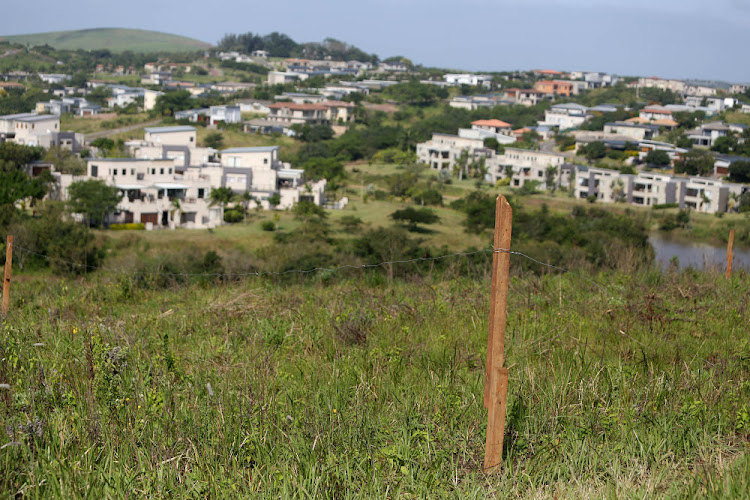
pixel 496 376
pixel 8 267
pixel 730 254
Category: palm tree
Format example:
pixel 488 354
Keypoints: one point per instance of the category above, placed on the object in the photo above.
pixel 220 196
pixel 176 209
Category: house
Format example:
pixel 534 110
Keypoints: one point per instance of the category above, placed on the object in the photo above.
pixel 8 124
pixel 495 126
pixel 175 143
pixel 257 106
pixel 153 193
pixel 548 73
pixel 723 162
pixel 300 97
pixel 468 79
pixel 259 171
pixel 602 184
pixel 226 114
pixel 527 165
pixel 339 112
pixel 149 99
pixel 263 54
pixel 738 88
pixel 634 131
pixel 53 78
pixel 566 116
pixel 29 129
pixel 651 189
pixel 232 87
pixel 655 113
pixel 384 67
pixel 313 114
pixel 193 115
pixel 596 80
pixel 555 87
pixel 443 150
pixel 482 134
pixel 707 134
pixel 675 86
pixel 267 127
pixel 282 77
pixel 526 97
pixel 704 195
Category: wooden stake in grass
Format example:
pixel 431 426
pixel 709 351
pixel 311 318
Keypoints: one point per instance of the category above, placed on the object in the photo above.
pixel 6 281
pixel 730 254
pixel 496 376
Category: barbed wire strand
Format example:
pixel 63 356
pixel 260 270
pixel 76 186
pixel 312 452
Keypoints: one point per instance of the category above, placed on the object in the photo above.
pixel 316 269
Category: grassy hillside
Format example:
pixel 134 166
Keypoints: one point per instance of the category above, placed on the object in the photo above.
pixel 113 39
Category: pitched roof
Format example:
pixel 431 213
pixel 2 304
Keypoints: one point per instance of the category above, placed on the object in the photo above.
pixel 491 123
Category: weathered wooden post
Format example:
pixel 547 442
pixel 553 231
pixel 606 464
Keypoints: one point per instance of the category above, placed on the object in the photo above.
pixel 6 281
pixel 730 254
pixel 496 375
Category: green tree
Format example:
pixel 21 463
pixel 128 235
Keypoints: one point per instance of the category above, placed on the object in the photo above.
pixel 739 171
pixel 171 102
pixel 657 158
pixel 412 217
pixel 65 161
pixel 214 140
pixel 93 199
pixel 220 196
pixel 274 200
pixel 324 168
pixel 724 145
pixel 594 150
pixel 695 162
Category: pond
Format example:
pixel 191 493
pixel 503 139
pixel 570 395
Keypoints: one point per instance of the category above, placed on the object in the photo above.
pixel 696 254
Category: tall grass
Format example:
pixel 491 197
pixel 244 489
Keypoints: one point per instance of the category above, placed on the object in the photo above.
pixel 358 388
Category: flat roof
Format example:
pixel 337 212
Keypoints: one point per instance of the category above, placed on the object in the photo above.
pixel 38 118
pixel 260 149
pixel 17 116
pixel 169 130
pixel 170 185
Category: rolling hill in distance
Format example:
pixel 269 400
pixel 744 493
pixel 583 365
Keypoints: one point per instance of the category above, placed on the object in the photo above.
pixel 112 39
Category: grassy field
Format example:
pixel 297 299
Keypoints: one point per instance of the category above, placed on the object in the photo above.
pixel 358 388
pixel 100 123
pixel 113 39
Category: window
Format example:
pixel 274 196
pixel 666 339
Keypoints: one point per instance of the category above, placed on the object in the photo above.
pixel 201 193
pixel 192 139
pixel 153 171
pixel 94 171
pixel 161 171
pixel 169 171
pixel 114 172
pixel 124 171
pixel 265 161
pixel 132 171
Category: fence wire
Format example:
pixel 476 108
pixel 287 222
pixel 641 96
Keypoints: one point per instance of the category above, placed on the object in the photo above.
pixel 334 269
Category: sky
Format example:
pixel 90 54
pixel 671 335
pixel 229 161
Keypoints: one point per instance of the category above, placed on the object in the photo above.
pixel 667 38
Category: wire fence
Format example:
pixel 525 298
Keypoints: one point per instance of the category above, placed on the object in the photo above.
pixel 259 274
pixel 334 269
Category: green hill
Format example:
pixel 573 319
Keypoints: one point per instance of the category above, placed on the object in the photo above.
pixel 113 39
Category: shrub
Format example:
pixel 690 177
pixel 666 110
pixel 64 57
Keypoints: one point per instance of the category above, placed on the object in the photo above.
pixel 130 226
pixel 233 215
pixel 268 225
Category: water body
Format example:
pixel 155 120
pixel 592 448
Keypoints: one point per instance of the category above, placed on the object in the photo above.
pixel 695 254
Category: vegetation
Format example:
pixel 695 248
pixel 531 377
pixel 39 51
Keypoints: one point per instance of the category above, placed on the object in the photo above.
pixel 111 39
pixel 343 385
pixel 281 45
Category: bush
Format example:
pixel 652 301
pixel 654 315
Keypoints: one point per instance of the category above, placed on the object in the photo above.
pixel 268 225
pixel 661 206
pixel 233 215
pixel 130 226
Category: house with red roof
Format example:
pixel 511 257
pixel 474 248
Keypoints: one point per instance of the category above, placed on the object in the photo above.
pixel 495 126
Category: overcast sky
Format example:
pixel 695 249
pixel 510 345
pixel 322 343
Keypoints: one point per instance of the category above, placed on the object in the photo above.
pixel 668 38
